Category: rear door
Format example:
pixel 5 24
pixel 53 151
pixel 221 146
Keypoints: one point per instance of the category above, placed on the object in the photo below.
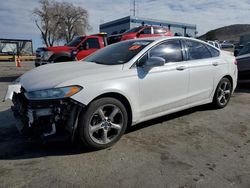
pixel 203 69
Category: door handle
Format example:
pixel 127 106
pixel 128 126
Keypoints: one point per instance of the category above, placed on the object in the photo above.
pixel 215 63
pixel 181 68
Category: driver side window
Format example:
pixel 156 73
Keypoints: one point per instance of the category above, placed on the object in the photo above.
pixel 91 43
pixel 169 50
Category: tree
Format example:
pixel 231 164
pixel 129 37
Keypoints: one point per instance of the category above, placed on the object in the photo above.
pixel 60 21
pixel 47 21
pixel 74 21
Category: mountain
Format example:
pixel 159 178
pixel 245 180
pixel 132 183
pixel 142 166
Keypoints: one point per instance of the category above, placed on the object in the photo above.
pixel 228 33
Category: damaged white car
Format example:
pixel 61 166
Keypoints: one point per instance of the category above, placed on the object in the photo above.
pixel 121 85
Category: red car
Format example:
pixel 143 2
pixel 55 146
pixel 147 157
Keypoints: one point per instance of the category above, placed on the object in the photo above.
pixel 140 32
pixel 81 46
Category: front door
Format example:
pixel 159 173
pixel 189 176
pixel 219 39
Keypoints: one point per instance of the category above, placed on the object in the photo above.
pixel 164 88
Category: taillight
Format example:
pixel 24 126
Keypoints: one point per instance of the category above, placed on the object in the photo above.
pixel 235 62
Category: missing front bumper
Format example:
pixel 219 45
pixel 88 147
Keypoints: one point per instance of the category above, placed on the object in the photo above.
pixel 45 119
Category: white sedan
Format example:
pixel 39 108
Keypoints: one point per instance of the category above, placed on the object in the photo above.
pixel 121 85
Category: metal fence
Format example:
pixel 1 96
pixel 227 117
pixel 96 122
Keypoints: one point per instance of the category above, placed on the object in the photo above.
pixel 16 47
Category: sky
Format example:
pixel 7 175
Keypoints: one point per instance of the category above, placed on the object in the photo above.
pixel 16 19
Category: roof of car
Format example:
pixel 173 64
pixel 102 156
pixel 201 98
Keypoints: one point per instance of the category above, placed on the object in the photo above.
pixel 158 39
pixel 165 37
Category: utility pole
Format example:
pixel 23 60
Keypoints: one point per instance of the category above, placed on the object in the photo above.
pixel 133 7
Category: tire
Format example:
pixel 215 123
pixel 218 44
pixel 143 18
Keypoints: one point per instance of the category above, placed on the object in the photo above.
pixel 103 123
pixel 222 93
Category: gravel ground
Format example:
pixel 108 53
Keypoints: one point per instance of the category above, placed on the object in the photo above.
pixel 199 147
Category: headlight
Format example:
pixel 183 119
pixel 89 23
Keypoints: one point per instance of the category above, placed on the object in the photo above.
pixel 55 93
pixel 46 55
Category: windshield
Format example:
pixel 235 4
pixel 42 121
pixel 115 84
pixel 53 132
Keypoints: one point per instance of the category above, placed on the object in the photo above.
pixel 134 30
pixel 75 42
pixel 118 53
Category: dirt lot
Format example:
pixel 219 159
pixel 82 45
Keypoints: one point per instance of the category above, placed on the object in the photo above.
pixel 200 147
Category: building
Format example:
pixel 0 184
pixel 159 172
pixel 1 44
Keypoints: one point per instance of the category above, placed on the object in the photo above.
pixel 126 23
pixel 16 46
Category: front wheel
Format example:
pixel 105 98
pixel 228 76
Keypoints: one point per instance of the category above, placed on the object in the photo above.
pixel 103 123
pixel 223 93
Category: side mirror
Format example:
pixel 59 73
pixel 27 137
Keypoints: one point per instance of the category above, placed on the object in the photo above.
pixel 138 34
pixel 155 62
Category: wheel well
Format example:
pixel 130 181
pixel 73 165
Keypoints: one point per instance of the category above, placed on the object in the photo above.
pixel 123 100
pixel 230 79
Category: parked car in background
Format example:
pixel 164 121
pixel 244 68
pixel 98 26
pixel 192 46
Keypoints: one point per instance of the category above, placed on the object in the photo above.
pixel 77 49
pixel 214 43
pixel 243 60
pixel 226 45
pixel 140 32
pixel 121 85
pixel 244 40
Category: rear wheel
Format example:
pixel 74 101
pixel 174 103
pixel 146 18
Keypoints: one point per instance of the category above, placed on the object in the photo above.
pixel 103 123
pixel 223 93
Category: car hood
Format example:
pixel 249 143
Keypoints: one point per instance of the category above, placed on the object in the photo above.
pixel 52 75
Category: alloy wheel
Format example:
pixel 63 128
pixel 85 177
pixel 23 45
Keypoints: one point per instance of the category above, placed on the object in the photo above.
pixel 224 93
pixel 106 124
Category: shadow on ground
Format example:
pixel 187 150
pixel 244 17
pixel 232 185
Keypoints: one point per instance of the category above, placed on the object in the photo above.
pixel 14 146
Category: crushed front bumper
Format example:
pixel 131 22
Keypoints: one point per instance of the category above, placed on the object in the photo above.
pixel 45 119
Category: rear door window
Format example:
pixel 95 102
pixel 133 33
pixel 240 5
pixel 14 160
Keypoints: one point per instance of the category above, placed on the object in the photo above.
pixel 214 52
pixel 197 50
